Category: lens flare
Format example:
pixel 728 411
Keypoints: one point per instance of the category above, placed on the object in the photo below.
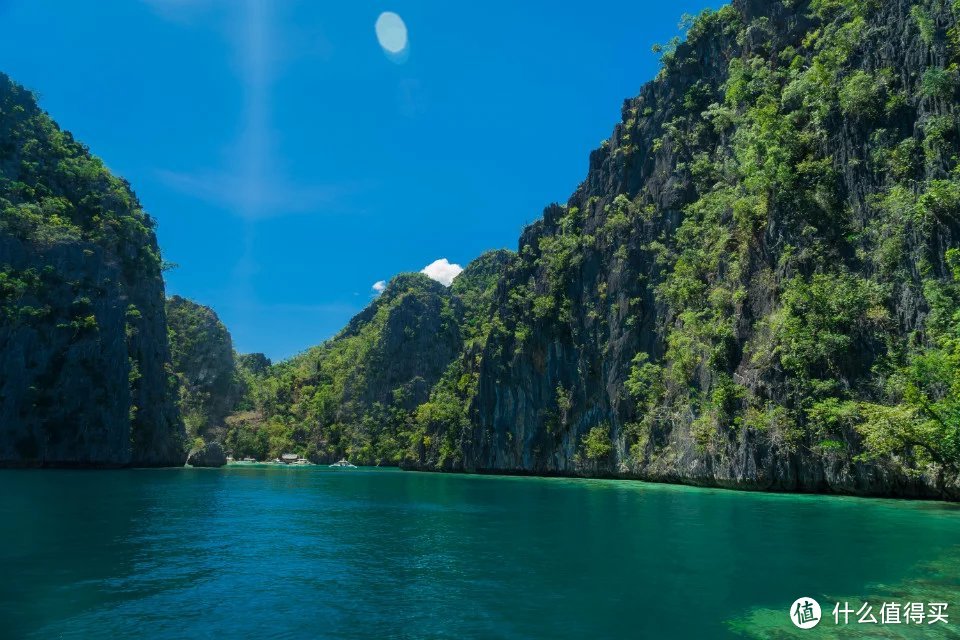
pixel 391 33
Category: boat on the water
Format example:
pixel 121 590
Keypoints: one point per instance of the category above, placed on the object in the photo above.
pixel 343 464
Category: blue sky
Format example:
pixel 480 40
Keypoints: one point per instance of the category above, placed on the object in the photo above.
pixel 292 162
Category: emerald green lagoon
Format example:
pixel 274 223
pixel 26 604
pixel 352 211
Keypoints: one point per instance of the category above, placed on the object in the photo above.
pixel 271 552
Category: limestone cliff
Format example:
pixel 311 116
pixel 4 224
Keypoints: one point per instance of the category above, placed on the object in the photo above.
pixel 84 360
pixel 754 267
pixel 202 358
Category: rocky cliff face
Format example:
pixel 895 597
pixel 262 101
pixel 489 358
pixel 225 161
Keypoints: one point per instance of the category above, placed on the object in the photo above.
pixel 203 360
pixel 413 335
pixel 84 362
pixel 755 250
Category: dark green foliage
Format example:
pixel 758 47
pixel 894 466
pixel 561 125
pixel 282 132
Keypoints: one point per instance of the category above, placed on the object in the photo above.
pixel 596 443
pixel 254 363
pixel 833 326
pixel 862 96
pixel 939 83
pixel 819 325
pixel 917 418
pixel 475 287
pixel 53 191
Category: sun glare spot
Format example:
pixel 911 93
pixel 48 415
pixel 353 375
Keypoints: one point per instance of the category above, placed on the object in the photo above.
pixel 391 33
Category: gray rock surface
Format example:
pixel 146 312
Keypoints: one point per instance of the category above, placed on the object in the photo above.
pixel 210 455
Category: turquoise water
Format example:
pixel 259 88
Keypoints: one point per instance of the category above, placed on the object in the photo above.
pixel 270 552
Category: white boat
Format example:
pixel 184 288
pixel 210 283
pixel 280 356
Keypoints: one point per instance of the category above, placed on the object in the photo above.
pixel 343 464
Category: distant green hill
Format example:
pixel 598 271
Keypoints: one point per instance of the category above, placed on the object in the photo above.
pixel 356 394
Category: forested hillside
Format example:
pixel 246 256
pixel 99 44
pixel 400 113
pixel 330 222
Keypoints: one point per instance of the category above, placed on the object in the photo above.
pixel 368 390
pixel 84 361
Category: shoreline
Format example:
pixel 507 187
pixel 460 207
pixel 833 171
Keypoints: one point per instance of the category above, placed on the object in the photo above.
pixel 744 487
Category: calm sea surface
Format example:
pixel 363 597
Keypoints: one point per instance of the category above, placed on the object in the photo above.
pixel 272 552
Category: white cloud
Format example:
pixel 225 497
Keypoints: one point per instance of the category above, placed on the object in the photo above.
pixel 442 271
pixel 379 286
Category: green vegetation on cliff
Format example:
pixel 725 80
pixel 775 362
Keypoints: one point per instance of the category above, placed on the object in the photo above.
pixel 84 365
pixel 808 282
pixel 755 285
